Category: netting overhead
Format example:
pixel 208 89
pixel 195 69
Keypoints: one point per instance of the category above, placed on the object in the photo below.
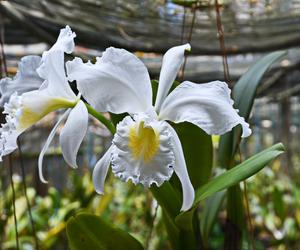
pixel 154 26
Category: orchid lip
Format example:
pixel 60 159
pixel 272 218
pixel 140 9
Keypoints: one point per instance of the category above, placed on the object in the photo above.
pixel 142 151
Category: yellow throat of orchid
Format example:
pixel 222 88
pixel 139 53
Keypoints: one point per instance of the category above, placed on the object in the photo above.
pixel 143 142
pixel 31 115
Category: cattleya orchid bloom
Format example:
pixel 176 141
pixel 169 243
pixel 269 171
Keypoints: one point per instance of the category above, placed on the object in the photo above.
pixel 145 147
pixel 51 91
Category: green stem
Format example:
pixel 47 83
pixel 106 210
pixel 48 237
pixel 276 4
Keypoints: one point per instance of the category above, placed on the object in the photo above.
pixel 107 123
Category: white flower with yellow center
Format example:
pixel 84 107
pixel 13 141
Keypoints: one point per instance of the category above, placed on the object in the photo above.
pixel 24 108
pixel 145 148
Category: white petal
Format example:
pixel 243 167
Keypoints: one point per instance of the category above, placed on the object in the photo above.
pixel 25 80
pixel 65 41
pixel 172 61
pixel 182 173
pixel 100 171
pixel 73 133
pixel 119 82
pixel 54 73
pixel 64 44
pixel 208 106
pixel 142 152
pixel 47 144
pixel 36 104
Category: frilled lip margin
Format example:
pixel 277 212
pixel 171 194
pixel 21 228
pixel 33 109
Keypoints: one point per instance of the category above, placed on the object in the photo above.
pixel 125 166
pixel 9 131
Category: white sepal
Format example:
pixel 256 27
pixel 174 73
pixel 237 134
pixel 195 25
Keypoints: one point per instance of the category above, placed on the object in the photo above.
pixel 172 61
pixel 47 144
pixel 182 173
pixel 208 106
pixel 64 44
pixel 100 171
pixel 119 82
pixel 65 41
pixel 73 132
pixel 56 81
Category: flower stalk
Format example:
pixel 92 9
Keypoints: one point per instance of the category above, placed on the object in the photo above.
pixel 101 118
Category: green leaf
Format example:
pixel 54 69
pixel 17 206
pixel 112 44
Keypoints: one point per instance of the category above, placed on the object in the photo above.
pixel 235 207
pixel 90 232
pixel 209 215
pixel 167 198
pixel 245 89
pixel 231 177
pixel 239 173
pixel 244 93
pixel 172 230
pixel 198 152
pixel 280 206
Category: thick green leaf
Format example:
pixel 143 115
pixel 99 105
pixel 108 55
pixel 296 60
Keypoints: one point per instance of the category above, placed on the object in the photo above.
pixel 235 222
pixel 245 89
pixel 198 152
pixel 232 177
pixel 167 198
pixel 244 93
pixel 172 230
pixel 87 231
pixel 209 214
pixel 280 207
pixel 239 173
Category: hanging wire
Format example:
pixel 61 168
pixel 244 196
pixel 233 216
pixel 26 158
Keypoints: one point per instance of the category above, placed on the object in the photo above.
pixel 2 54
pixel 227 79
pixel 151 227
pixel 189 39
pixel 183 26
pixel 13 200
pixel 251 229
pixel 222 44
pixel 248 213
pixel 5 73
pixel 26 195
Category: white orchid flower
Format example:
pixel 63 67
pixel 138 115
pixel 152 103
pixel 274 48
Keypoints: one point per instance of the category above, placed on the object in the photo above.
pixel 145 148
pixel 26 79
pixel 55 93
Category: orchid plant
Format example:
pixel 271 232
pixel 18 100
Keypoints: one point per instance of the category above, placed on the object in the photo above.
pixel 145 148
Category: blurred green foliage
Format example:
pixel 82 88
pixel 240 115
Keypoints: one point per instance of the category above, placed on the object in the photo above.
pixel 129 207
